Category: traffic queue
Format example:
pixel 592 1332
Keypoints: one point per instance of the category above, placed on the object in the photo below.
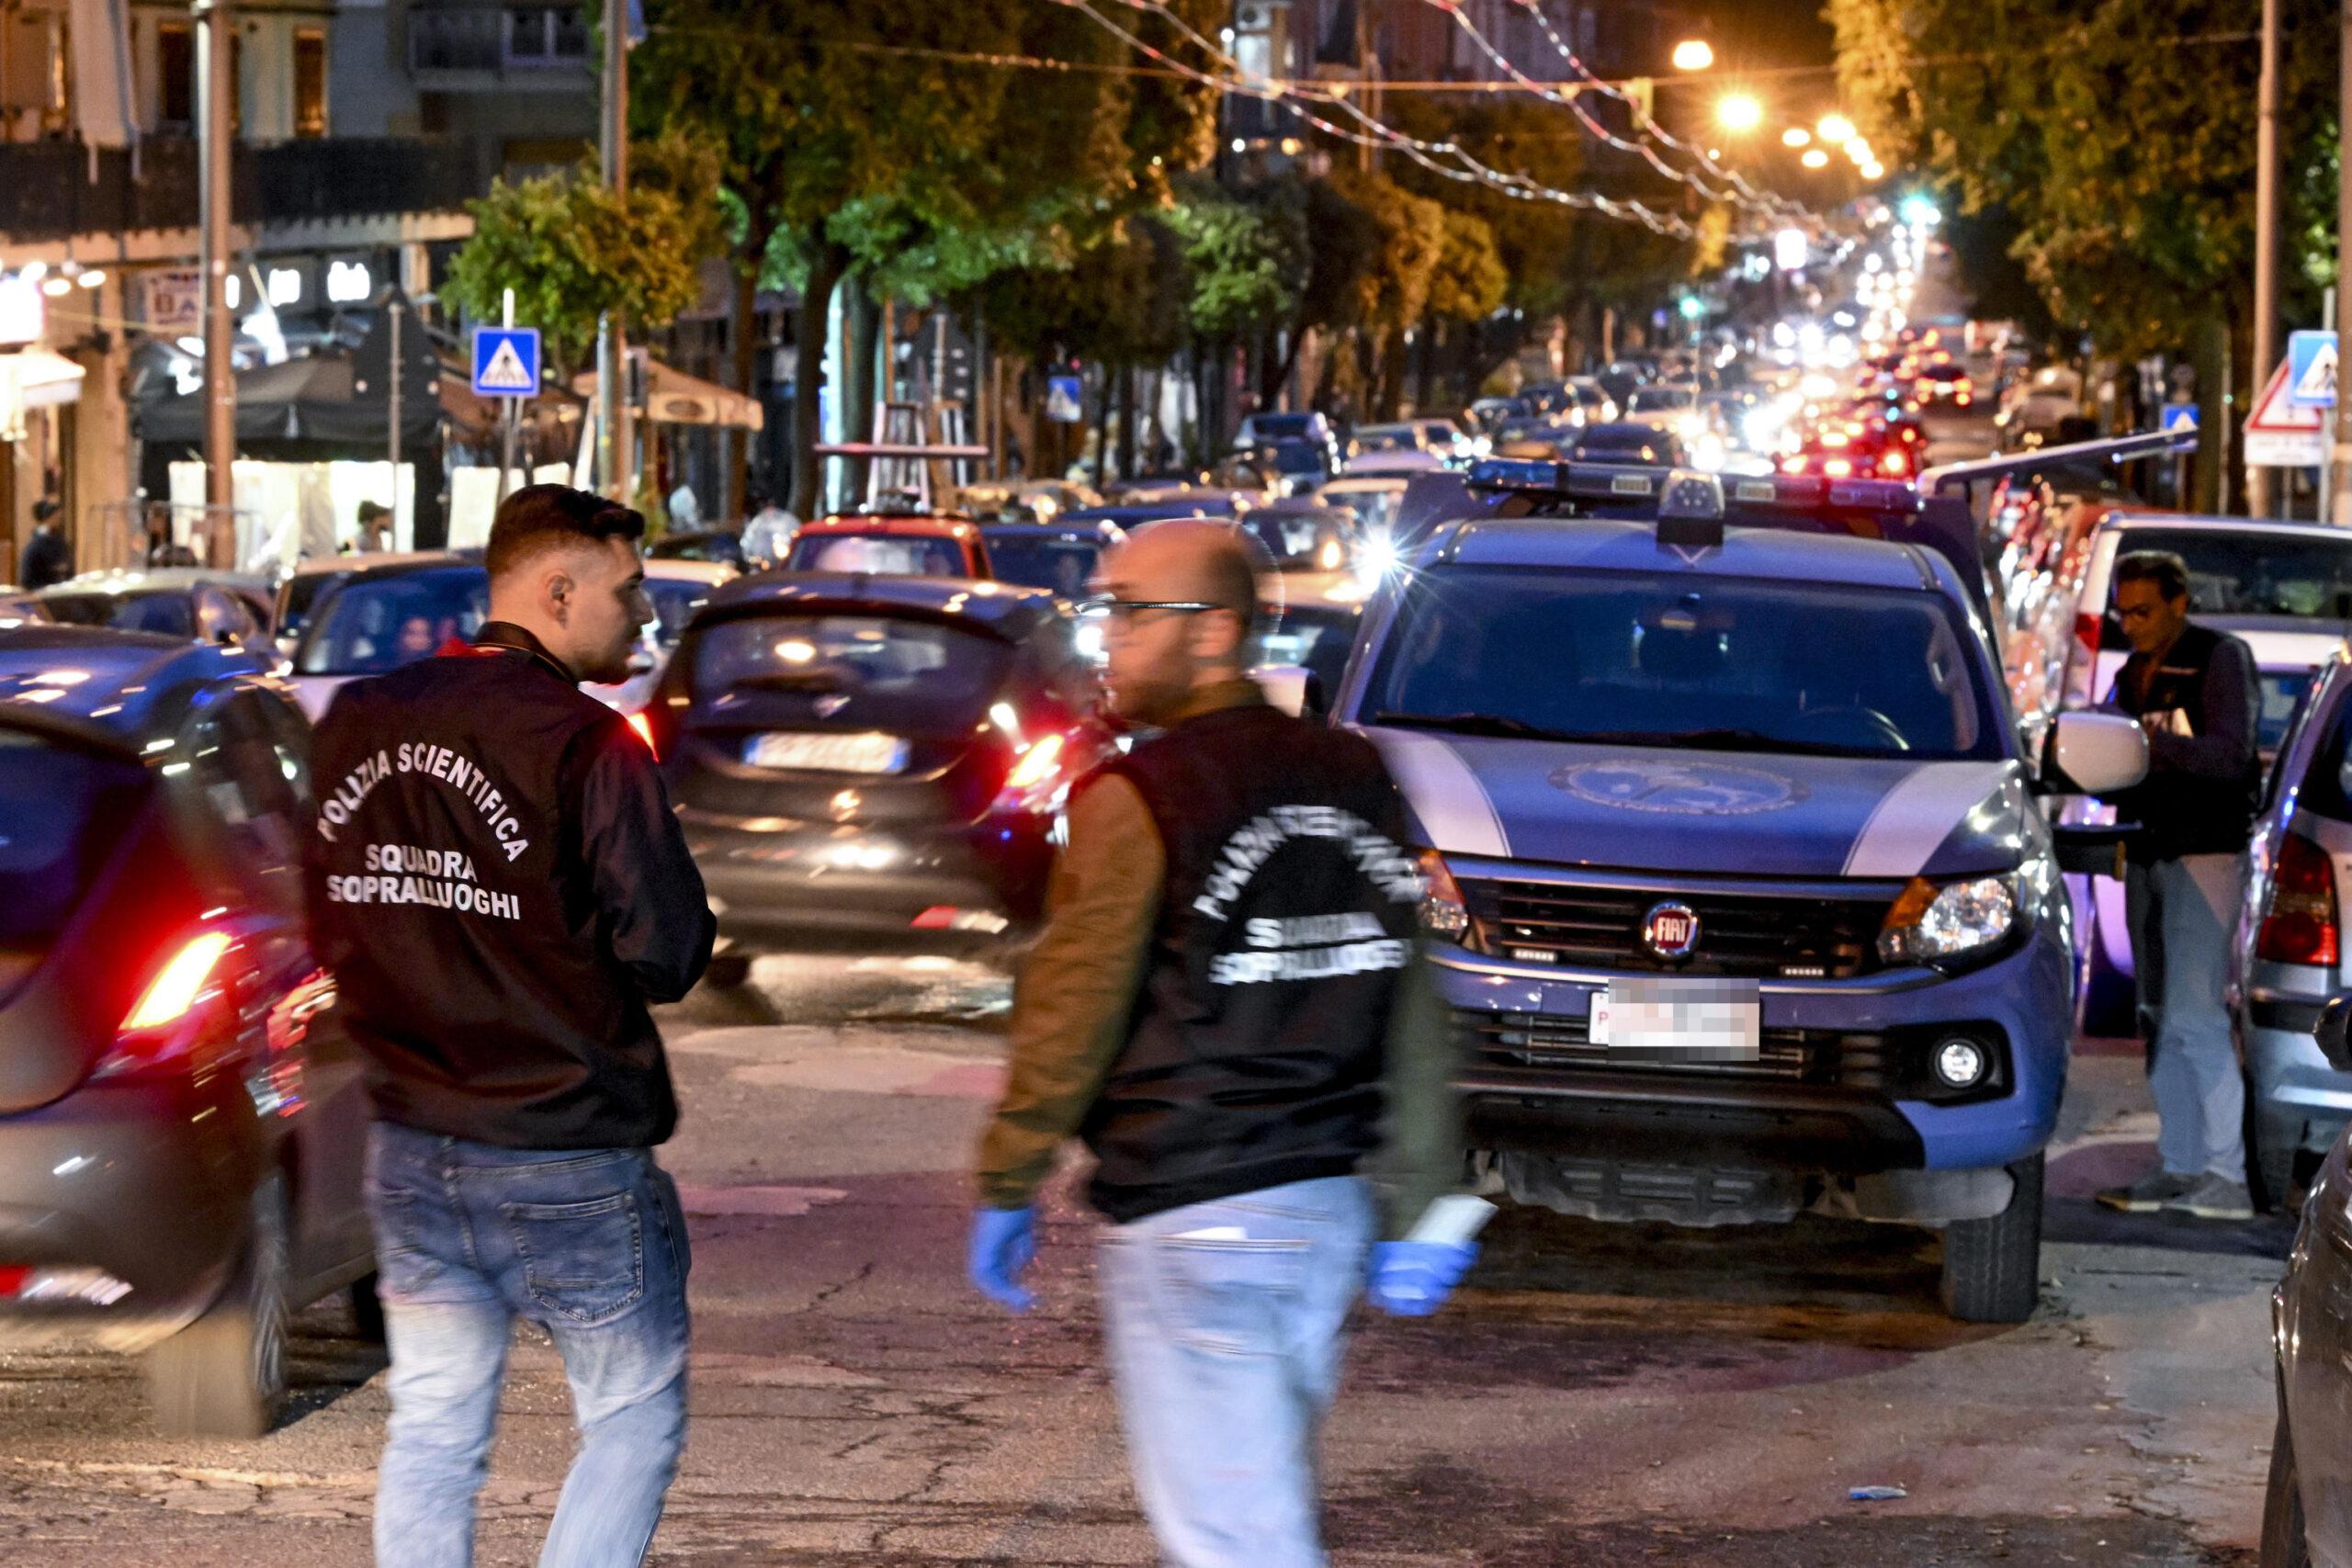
pixel 1723 923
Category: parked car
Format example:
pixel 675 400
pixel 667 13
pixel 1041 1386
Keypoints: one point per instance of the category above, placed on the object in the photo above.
pixel 1308 621
pixel 1264 429
pixel 892 545
pixel 1733 923
pixel 1372 497
pixel 874 762
pixel 676 590
pixel 300 588
pixel 1041 499
pixel 380 617
pixel 723 545
pixel 1627 441
pixel 182 1122
pixel 229 608
pixel 2307 1512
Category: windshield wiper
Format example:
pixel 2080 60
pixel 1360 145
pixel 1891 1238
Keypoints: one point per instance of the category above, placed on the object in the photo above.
pixel 1495 724
pixel 1726 740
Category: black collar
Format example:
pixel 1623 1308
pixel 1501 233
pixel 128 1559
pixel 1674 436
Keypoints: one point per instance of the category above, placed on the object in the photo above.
pixel 513 638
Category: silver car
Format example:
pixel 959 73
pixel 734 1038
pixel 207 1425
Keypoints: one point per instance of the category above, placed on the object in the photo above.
pixel 2307 1517
pixel 2287 957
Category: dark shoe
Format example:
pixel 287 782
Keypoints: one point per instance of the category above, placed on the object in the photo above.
pixel 2151 1193
pixel 2213 1198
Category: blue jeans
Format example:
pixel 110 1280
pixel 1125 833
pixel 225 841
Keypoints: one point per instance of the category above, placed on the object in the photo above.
pixel 2182 912
pixel 588 1244
pixel 1224 1320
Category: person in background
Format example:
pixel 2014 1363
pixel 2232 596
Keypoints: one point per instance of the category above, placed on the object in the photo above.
pixel 501 984
pixel 768 536
pixel 2193 691
pixel 375 534
pixel 48 556
pixel 1229 1007
pixel 686 511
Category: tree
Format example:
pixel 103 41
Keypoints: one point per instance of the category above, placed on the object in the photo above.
pixel 571 250
pixel 1468 285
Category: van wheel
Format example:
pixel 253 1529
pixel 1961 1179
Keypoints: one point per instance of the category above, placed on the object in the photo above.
pixel 1993 1267
pixel 2286 1542
pixel 728 972
pixel 225 1375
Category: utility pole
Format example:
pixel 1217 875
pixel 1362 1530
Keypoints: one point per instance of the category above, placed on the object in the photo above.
pixel 216 31
pixel 612 352
pixel 395 308
pixel 2266 239
pixel 1367 155
pixel 2340 466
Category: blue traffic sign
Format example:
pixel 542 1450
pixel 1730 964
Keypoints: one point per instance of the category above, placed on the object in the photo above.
pixel 2179 416
pixel 2311 369
pixel 506 362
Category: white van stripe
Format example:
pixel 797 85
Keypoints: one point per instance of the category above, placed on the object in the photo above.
pixel 1453 806
pixel 1918 814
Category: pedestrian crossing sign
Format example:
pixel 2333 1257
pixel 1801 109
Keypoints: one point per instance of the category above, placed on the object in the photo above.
pixel 2311 369
pixel 506 362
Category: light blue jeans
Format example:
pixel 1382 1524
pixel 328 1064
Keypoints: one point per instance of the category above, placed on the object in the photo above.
pixel 588 1244
pixel 1224 1325
pixel 2182 913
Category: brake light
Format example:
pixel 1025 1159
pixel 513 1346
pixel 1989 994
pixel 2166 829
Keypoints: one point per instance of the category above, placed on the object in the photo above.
pixel 2300 925
pixel 1894 465
pixel 1838 469
pixel 182 980
pixel 1792 465
pixel 640 727
pixel 1037 779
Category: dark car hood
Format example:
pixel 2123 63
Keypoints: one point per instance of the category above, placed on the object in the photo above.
pixel 1709 812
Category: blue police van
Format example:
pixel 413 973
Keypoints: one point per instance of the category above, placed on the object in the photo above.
pixel 1742 890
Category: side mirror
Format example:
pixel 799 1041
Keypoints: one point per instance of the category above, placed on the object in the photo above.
pixel 2334 1031
pixel 2094 753
pixel 1294 688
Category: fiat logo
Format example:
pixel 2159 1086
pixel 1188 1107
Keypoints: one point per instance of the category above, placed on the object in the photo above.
pixel 1670 930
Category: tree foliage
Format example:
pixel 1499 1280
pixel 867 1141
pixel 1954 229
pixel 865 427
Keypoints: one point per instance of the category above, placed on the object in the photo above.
pixel 571 250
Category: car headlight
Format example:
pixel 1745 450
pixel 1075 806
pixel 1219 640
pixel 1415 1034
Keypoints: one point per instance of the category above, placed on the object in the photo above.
pixel 1935 924
pixel 1444 912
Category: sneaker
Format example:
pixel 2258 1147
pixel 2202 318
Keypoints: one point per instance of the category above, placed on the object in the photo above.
pixel 2148 1195
pixel 2213 1198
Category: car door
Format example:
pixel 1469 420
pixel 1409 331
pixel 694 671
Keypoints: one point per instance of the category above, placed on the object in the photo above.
pixel 251 765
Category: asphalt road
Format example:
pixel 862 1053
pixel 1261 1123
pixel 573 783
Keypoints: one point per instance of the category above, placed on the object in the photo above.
pixel 1596 1396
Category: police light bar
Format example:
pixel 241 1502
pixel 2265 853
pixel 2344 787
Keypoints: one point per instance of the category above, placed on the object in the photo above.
pixel 1620 484
pixel 1690 513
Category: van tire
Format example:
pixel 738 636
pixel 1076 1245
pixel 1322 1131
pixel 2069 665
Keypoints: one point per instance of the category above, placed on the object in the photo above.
pixel 2285 1540
pixel 225 1375
pixel 1993 1267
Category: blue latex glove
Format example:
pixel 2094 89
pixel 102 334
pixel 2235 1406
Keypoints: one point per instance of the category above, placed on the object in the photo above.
pixel 1003 1241
pixel 1412 1279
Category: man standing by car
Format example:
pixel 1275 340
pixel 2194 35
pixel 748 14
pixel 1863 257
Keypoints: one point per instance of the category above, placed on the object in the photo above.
pixel 500 887
pixel 2192 690
pixel 1227 1006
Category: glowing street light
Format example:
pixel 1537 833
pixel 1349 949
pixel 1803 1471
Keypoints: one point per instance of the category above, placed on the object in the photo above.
pixel 1739 111
pixel 1814 158
pixel 1796 136
pixel 1873 170
pixel 1836 130
pixel 1694 55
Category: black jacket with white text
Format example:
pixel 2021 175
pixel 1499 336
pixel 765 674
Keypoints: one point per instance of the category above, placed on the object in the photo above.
pixel 500 887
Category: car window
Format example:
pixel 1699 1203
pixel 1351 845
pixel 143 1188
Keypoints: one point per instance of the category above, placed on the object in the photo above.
pixel 1042 559
pixel 674 604
pixel 881 555
pixel 1300 539
pixel 369 625
pixel 855 671
pixel 296 597
pixel 170 612
pixel 245 787
pixel 62 810
pixel 1376 509
pixel 1314 636
pixel 1642 659
pixel 2250 572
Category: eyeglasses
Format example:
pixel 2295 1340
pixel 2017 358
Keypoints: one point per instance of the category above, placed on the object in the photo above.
pixel 1123 612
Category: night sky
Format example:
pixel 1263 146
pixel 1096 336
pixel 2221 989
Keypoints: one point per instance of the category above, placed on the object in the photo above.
pixel 1764 34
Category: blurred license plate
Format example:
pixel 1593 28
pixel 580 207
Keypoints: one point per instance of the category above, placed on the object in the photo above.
pixel 867 753
pixel 1700 1020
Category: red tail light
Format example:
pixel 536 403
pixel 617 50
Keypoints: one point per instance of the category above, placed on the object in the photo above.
pixel 171 1016
pixel 1038 776
pixel 2300 926
pixel 1894 465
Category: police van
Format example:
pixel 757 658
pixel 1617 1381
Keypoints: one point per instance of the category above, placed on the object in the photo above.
pixel 1740 886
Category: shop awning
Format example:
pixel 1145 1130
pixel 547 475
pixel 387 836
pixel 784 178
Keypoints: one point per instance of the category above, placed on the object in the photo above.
pixel 42 379
pixel 673 397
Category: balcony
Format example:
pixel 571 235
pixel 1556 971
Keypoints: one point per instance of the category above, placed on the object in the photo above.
pixel 56 190
pixel 456 47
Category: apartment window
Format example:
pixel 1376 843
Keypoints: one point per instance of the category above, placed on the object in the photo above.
pixel 546 35
pixel 175 75
pixel 32 64
pixel 310 83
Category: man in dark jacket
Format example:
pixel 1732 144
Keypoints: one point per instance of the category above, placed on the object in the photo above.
pixel 500 887
pixel 2193 691
pixel 47 557
pixel 1228 1006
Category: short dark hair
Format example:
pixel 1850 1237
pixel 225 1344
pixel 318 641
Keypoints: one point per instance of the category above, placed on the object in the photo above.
pixel 371 510
pixel 543 517
pixel 2163 568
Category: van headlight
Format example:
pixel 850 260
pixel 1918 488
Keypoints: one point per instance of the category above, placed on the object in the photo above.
pixel 1941 922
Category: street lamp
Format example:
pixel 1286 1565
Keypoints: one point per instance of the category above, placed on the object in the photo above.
pixel 1694 55
pixel 1796 136
pixel 1739 111
pixel 1836 130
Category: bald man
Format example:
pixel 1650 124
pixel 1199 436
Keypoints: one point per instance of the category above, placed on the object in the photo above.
pixel 1228 1006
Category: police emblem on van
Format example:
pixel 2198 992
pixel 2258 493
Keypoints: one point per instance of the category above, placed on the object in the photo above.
pixel 1670 930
